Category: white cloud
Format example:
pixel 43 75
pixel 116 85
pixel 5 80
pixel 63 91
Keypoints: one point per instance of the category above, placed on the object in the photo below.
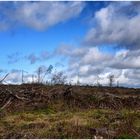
pixel 38 15
pixel 126 59
pixel 92 64
pixel 15 77
pixel 118 23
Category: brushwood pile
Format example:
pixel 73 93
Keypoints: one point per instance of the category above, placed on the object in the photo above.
pixel 33 96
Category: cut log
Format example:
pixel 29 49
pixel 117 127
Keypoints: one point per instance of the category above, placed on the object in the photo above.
pixel 6 104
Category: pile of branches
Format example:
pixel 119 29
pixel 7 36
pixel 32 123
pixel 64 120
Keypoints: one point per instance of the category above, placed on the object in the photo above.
pixel 39 96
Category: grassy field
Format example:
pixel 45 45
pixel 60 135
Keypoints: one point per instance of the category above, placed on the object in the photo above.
pixel 47 123
pixel 63 119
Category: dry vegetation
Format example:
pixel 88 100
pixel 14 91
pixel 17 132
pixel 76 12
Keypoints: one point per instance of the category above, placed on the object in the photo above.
pixel 39 111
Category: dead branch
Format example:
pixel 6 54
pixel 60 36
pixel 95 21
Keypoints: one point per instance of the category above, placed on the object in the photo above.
pixel 4 78
pixel 15 96
pixel 19 98
pixel 6 104
pixel 136 132
pixel 11 97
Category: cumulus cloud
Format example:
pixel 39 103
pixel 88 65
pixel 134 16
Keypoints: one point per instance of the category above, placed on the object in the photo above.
pixel 126 59
pixel 92 65
pixel 116 24
pixel 37 15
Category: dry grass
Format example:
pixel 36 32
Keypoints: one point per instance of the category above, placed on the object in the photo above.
pixel 86 113
pixel 81 124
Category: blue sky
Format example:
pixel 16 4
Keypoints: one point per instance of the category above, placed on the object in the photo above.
pixel 93 38
pixel 24 40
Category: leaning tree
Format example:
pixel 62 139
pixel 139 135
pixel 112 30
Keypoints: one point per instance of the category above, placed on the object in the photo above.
pixel 1 81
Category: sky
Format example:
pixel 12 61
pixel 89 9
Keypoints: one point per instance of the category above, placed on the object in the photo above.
pixel 86 39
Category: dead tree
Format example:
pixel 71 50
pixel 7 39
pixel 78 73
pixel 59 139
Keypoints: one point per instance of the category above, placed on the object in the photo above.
pixel 118 83
pixel 32 78
pixel 48 71
pixel 78 81
pixel 23 75
pixel 111 80
pixel 3 78
pixel 39 74
pixel 98 83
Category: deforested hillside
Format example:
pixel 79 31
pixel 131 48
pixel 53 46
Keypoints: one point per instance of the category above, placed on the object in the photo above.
pixel 63 111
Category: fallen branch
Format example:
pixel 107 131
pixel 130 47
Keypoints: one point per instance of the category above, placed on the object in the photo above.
pixel 16 96
pixel 20 98
pixel 11 97
pixel 136 132
pixel 6 104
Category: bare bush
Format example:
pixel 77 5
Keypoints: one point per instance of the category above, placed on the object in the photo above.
pixel 59 78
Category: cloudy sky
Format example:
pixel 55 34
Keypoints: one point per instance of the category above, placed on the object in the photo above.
pixel 89 39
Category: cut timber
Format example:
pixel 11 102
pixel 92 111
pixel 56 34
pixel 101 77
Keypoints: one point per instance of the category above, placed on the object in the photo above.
pixel 11 98
pixel 20 98
pixel 6 104
pixel 15 96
